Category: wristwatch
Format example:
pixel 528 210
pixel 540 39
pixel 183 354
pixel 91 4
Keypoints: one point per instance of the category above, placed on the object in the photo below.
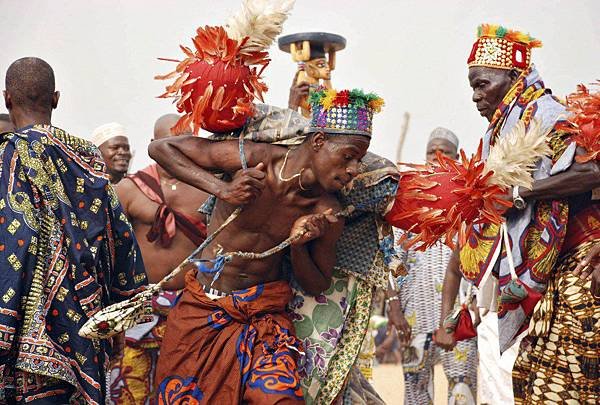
pixel 518 201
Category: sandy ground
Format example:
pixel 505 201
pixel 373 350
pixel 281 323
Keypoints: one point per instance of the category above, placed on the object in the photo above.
pixel 389 383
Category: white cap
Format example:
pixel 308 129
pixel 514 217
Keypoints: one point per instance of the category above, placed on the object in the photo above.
pixel 443 133
pixel 107 131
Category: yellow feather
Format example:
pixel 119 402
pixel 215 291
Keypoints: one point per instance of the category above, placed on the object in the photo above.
pixel 327 101
pixel 377 104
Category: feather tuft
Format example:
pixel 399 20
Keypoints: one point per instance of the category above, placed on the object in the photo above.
pixel 513 158
pixel 584 121
pixel 261 21
pixel 498 31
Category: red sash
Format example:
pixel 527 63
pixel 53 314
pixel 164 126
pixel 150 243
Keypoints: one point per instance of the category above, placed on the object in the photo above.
pixel 167 220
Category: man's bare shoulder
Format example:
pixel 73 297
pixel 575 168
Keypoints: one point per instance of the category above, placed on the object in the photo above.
pixel 257 152
pixel 328 201
pixel 126 186
pixel 128 192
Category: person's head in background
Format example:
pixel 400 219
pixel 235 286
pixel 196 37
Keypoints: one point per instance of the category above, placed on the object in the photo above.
pixel 113 143
pixel 444 141
pixel 163 125
pixel 6 124
pixel 29 93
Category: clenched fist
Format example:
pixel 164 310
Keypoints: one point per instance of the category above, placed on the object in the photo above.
pixel 245 187
pixel 312 226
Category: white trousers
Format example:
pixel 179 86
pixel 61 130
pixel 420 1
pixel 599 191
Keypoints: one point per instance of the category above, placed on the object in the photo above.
pixel 495 382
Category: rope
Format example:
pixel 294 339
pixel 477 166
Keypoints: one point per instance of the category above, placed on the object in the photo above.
pixel 223 258
pixel 210 237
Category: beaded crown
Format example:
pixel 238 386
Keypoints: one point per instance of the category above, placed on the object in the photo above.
pixel 344 112
pixel 502 48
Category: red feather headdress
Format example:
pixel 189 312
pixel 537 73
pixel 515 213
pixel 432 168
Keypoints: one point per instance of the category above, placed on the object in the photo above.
pixel 216 83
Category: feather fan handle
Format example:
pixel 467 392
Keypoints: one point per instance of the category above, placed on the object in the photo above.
pixel 259 20
pixel 513 159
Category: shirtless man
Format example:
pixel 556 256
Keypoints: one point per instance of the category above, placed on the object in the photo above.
pixel 164 237
pixel 164 216
pixel 235 343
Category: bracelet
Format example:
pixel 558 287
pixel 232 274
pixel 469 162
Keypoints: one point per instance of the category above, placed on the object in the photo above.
pixel 394 298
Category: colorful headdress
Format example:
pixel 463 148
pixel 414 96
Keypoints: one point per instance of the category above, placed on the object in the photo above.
pixel 584 107
pixel 343 112
pixel 216 83
pixel 439 202
pixel 502 48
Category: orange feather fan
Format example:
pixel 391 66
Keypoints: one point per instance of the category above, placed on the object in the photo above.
pixel 444 201
pixel 584 107
pixel 216 83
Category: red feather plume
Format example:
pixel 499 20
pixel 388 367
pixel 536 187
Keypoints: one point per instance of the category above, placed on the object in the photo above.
pixel 216 83
pixel 584 107
pixel 445 201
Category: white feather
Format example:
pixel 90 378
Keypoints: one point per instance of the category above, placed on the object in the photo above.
pixel 261 21
pixel 513 158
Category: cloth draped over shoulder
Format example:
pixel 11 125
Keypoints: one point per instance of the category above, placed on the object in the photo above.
pixel 537 233
pixel 66 250
pixel 167 220
pixel 332 326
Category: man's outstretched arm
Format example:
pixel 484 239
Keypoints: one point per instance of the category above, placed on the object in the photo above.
pixel 578 179
pixel 449 292
pixel 192 159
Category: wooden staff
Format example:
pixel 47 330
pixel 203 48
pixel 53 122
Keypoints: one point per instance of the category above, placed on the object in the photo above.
pixel 403 131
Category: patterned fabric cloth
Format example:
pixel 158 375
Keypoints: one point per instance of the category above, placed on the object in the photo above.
pixel 133 371
pixel 421 300
pixel 460 367
pixel 562 363
pixel 67 251
pixel 421 291
pixel 270 124
pixel 358 391
pixel 537 233
pixel 239 348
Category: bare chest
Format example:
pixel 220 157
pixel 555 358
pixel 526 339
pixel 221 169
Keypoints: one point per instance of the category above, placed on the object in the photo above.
pixel 272 215
pixel 185 200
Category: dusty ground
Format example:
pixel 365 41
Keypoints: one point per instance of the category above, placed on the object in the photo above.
pixel 389 383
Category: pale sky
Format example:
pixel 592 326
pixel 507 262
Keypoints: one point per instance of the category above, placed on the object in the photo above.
pixel 412 53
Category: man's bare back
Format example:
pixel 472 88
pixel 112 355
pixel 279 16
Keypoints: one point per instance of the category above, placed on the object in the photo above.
pixel 278 201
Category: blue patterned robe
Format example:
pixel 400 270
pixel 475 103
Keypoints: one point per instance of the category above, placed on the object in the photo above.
pixel 66 251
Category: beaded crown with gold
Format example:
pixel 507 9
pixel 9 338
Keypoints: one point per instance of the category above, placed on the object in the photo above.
pixel 502 48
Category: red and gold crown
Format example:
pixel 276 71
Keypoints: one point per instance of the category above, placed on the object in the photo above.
pixel 502 48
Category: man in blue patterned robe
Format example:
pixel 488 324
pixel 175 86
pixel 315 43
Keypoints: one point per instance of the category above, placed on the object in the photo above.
pixel 66 250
